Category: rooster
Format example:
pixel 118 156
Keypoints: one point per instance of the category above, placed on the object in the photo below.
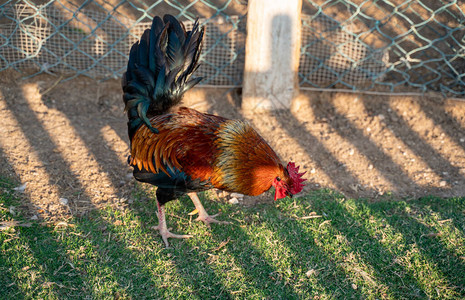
pixel 179 149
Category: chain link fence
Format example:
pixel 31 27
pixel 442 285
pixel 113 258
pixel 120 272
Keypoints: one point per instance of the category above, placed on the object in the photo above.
pixel 391 46
pixel 360 45
pixel 93 38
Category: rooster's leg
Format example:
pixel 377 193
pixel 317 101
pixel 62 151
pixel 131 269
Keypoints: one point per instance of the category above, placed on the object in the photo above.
pixel 163 229
pixel 203 215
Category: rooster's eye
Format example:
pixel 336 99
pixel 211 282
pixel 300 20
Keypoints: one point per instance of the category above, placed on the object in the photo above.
pixel 278 178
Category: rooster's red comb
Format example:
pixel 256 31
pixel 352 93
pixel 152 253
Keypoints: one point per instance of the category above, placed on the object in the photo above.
pixel 296 185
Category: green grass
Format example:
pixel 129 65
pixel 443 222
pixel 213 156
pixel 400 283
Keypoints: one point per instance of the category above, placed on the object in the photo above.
pixel 357 249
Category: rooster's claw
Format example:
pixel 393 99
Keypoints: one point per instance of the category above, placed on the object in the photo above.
pixel 210 219
pixel 165 234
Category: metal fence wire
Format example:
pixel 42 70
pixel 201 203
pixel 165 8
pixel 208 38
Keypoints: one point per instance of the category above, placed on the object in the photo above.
pixel 360 45
pixel 391 46
pixel 93 38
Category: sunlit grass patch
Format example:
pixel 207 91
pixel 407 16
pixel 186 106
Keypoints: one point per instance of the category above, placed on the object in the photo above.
pixel 321 245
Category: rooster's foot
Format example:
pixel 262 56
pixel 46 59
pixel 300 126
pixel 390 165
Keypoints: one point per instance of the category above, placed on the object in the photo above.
pixel 207 219
pixel 163 229
pixel 203 215
pixel 165 234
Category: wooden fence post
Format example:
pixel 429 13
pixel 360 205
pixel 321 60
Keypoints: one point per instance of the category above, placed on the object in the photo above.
pixel 272 53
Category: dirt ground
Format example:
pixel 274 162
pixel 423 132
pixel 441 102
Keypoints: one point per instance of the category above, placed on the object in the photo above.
pixel 66 144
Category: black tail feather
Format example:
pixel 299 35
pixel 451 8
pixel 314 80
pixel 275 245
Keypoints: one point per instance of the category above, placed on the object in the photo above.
pixel 159 70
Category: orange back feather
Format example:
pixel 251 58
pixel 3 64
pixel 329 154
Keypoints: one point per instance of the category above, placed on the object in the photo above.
pixel 229 154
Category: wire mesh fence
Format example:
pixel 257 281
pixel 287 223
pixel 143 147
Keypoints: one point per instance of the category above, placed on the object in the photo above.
pixel 361 45
pixel 391 46
pixel 93 38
